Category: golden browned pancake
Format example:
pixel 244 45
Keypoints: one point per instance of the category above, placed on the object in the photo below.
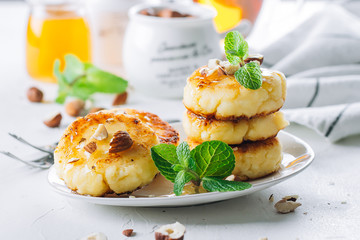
pixel 165 132
pixel 116 163
pixel 222 97
pixel 254 159
pixel 203 129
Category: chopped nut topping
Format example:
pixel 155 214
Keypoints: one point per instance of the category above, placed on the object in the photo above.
pixel 100 133
pixel 72 160
pixel 121 141
pixel 90 147
pixel 255 57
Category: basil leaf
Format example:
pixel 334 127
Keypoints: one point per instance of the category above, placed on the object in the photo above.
pixel 181 179
pixel 236 48
pixel 213 158
pixel 164 157
pixel 105 82
pixel 213 184
pixel 249 76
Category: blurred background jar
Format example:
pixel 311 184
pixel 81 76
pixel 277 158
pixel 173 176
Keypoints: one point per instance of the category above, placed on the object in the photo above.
pixel 55 28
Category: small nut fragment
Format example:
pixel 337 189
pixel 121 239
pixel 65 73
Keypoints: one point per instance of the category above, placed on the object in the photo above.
pixel 271 198
pixel 95 236
pixel 175 231
pixel 34 94
pixel 284 206
pixel 291 198
pixel 90 147
pixel 53 121
pixel 255 57
pixel 96 109
pixel 121 141
pixel 72 160
pixel 128 232
pixel 204 71
pixel 100 133
pixel 213 63
pixel 221 71
pixel 120 99
pixel 74 108
pixel 233 178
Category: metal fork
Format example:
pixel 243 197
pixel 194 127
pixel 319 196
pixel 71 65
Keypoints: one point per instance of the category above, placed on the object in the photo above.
pixel 43 162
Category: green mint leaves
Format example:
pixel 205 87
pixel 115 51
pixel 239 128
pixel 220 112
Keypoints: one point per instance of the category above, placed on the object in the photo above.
pixel 237 50
pixel 208 164
pixel 81 80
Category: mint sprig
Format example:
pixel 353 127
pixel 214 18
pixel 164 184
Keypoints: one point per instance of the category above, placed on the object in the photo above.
pixel 208 163
pixel 237 50
pixel 81 80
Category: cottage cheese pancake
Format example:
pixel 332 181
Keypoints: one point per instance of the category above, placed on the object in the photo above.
pixel 106 152
pixel 254 159
pixel 202 129
pixel 221 95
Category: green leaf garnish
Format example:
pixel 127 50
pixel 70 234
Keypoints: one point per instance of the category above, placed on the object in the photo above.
pixel 208 164
pixel 236 50
pixel 213 184
pixel 81 80
pixel 249 76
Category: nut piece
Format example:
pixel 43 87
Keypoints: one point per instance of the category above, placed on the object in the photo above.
pixel 95 236
pixel 204 71
pixel 53 121
pixel 100 133
pixel 121 141
pixel 34 94
pixel 271 198
pixel 90 147
pixel 96 109
pixel 74 108
pixel 221 71
pixel 255 57
pixel 213 63
pixel 128 232
pixel 234 178
pixel 286 206
pixel 120 99
pixel 72 160
pixel 175 231
pixel 291 198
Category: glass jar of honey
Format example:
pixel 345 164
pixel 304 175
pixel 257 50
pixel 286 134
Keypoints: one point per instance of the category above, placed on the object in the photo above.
pixel 55 28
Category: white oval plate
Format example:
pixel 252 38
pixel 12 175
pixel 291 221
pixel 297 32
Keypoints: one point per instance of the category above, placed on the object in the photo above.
pixel 297 155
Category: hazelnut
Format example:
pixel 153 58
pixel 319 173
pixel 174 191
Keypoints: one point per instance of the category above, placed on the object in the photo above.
pixel 53 121
pixel 74 108
pixel 233 178
pixel 255 57
pixel 120 99
pixel 96 109
pixel 90 147
pixel 121 141
pixel 175 231
pixel 100 133
pixel 286 206
pixel 34 94
pixel 128 232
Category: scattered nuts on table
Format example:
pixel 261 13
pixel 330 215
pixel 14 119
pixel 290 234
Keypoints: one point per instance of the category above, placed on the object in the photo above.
pixel 74 108
pixel 121 141
pixel 175 231
pixel 34 94
pixel 53 121
pixel 128 232
pixel 287 204
pixel 95 236
pixel 120 99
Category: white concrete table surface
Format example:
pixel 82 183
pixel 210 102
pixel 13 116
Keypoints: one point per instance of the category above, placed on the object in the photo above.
pixel 29 209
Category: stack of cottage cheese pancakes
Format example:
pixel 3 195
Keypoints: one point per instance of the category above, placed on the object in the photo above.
pixel 219 108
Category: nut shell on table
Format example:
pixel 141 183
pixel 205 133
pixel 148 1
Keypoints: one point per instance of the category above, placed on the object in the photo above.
pixel 120 99
pixel 121 141
pixel 34 94
pixel 74 108
pixel 53 121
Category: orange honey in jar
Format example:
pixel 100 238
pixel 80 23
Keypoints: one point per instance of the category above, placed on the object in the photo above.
pixel 54 30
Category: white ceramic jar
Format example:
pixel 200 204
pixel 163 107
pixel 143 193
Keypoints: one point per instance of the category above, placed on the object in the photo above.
pixel 159 54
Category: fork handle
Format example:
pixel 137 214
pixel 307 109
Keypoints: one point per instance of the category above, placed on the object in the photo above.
pixel 23 161
pixel 29 144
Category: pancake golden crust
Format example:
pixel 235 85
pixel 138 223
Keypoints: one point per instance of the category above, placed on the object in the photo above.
pixel 98 172
pixel 223 98
pixel 165 132
pixel 202 129
pixel 254 159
